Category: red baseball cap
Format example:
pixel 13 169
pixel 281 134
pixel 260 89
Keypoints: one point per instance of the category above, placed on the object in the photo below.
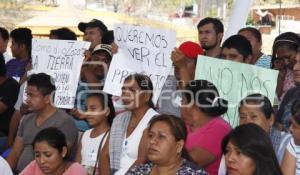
pixel 191 49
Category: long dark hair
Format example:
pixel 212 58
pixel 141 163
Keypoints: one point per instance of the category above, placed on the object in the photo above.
pixel 144 82
pixel 255 143
pixel 206 96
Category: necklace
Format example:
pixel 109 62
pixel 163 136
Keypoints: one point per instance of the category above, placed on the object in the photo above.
pixel 170 171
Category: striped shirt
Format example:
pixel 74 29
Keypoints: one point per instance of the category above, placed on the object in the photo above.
pixel 294 149
pixel 264 61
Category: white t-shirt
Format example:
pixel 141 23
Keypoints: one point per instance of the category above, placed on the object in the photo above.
pixel 7 57
pixel 130 144
pixel 4 167
pixel 294 149
pixel 89 149
pixel 21 99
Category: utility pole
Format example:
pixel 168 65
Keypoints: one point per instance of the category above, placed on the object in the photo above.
pixel 279 22
pixel 201 8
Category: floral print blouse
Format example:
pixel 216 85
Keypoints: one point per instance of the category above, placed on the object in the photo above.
pixel 187 168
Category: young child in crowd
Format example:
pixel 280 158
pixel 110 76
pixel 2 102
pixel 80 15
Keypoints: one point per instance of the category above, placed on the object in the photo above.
pixel 100 113
pixel 291 160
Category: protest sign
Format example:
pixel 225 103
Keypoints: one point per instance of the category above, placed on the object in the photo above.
pixel 235 81
pixel 141 50
pixel 61 59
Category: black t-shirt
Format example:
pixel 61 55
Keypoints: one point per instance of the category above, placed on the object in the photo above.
pixel 9 91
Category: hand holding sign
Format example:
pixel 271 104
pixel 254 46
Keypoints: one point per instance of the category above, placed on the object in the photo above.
pixel 235 81
pixel 178 58
pixel 141 50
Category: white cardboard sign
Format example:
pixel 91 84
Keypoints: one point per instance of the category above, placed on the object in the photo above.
pixel 141 50
pixel 61 59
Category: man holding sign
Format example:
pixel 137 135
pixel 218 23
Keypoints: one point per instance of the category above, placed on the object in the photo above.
pixel 184 60
pixel 93 31
pixel 92 78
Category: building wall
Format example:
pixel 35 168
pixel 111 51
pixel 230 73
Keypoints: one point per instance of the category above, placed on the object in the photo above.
pixel 284 11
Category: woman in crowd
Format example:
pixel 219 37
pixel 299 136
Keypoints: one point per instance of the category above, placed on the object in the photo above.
pixel 201 110
pixel 258 57
pixel 257 109
pixel 291 160
pixel 284 113
pixel 284 52
pixel 127 142
pixel 167 155
pixel 50 149
pixel 248 151
pixel 100 114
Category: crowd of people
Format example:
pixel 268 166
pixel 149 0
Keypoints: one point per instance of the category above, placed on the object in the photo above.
pixel 184 134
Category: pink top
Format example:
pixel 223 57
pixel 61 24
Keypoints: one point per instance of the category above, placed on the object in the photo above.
pixel 288 83
pixel 33 169
pixel 209 137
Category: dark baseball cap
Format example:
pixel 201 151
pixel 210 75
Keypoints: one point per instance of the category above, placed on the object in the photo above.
pixel 93 23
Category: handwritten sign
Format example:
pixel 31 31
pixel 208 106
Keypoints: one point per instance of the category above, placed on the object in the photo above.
pixel 61 59
pixel 235 81
pixel 141 50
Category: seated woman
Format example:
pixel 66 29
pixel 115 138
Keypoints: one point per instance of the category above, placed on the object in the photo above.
pixel 291 161
pixel 248 151
pixel 257 109
pixel 167 155
pixel 127 142
pixel 201 110
pixel 50 148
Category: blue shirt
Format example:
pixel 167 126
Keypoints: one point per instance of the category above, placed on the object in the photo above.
pixel 16 68
pixel 264 61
